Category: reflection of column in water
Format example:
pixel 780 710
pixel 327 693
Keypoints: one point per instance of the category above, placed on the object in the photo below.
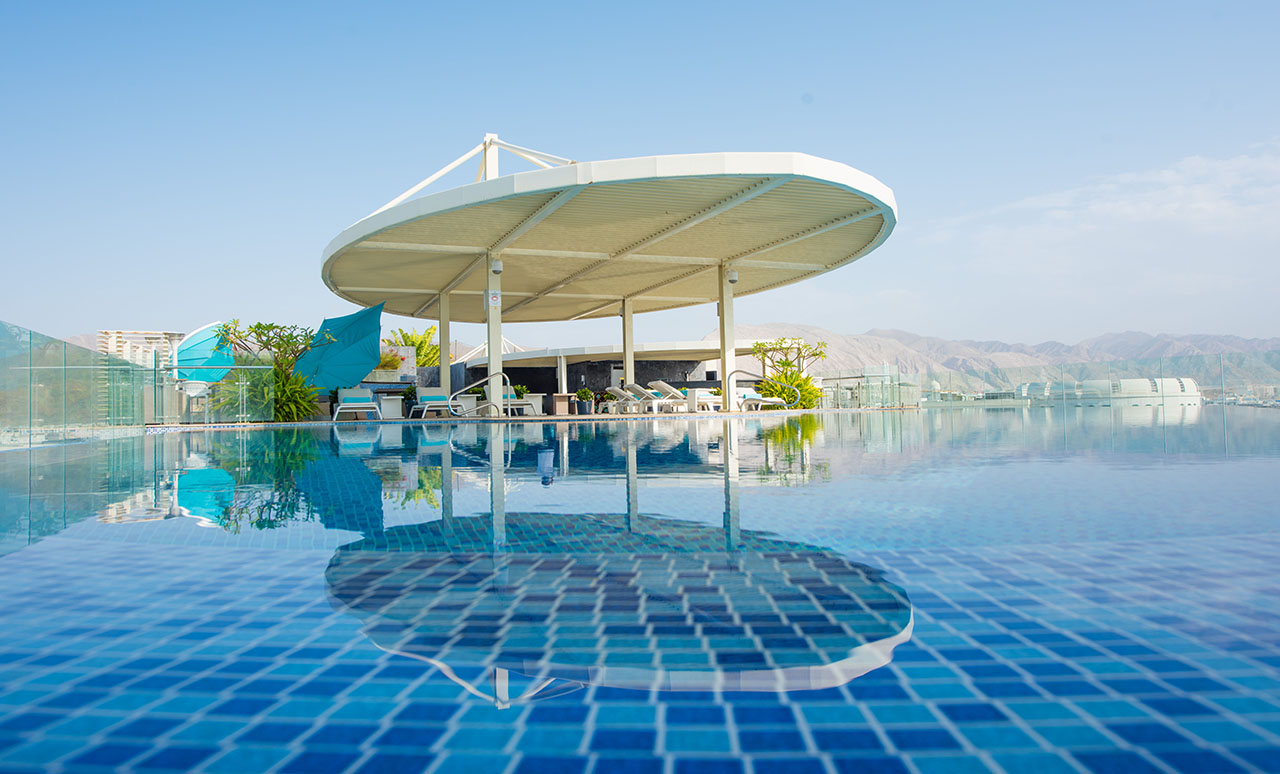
pixel 446 482
pixel 497 484
pixel 633 483
pixel 562 435
pixel 729 453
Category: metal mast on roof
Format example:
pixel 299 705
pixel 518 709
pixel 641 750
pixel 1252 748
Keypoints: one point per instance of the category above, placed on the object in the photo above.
pixel 488 152
pixel 488 165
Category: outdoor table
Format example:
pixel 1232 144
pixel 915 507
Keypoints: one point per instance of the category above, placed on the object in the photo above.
pixel 557 403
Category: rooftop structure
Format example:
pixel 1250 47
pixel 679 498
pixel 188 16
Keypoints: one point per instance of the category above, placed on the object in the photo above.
pixel 580 240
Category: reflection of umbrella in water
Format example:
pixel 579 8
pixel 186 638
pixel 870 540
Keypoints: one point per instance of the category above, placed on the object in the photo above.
pixel 658 605
pixel 204 494
pixel 344 350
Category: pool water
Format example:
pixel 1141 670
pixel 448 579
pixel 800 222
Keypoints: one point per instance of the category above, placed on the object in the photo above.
pixel 1030 590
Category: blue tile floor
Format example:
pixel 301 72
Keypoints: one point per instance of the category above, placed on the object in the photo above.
pixel 1095 657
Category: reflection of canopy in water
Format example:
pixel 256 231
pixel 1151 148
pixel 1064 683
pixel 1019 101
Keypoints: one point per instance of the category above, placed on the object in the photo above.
pixel 659 605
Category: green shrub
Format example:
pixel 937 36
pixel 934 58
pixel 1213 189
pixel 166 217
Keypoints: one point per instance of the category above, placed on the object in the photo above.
pixel 810 395
pixel 295 397
pixel 585 394
pixel 389 361
pixel 520 390
pixel 428 354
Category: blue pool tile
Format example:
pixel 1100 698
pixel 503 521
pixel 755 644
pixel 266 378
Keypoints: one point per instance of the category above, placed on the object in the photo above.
pixel 109 755
pixel 617 739
pixel 426 712
pixel 319 763
pixel 274 732
pixel 386 763
pixel 869 766
pixel 242 707
pixel 765 715
pixel 1003 736
pixel 465 763
pixel 708 766
pixel 551 765
pixel 1033 763
pixel 145 728
pixel 950 764
pixel 922 739
pixel 695 714
pixel 1118 762
pixel 1147 733
pixel 417 737
pixel 629 766
pixel 847 739
pixel 788 766
pixel 1264 758
pixel 563 714
pixel 341 734
pixel 696 740
pixel 29 721
pixel 1178 707
pixel 176 758
pixel 972 713
pixel 1192 761
pixel 769 740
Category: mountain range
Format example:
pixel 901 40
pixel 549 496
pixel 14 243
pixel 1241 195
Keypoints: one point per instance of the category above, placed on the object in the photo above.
pixel 915 354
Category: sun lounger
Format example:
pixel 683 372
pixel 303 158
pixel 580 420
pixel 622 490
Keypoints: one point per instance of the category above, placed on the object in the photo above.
pixel 357 401
pixel 754 401
pixel 510 401
pixel 625 403
pixel 432 403
pixel 650 401
pixel 686 402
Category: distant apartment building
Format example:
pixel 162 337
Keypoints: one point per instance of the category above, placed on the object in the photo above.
pixel 140 347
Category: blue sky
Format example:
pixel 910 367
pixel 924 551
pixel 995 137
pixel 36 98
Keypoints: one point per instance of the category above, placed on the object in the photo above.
pixel 1061 170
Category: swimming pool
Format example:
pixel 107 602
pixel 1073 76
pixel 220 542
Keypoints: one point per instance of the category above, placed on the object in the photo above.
pixel 1029 590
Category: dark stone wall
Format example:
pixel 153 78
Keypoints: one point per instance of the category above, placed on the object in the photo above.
pixel 595 374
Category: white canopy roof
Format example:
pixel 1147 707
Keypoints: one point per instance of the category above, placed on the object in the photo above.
pixel 575 240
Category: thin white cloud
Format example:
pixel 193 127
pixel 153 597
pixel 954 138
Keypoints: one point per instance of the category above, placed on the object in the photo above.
pixel 1194 247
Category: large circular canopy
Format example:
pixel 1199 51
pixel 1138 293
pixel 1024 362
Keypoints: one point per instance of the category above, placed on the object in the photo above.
pixel 578 239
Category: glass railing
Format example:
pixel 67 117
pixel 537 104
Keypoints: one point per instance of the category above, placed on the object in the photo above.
pixel 1247 379
pixel 52 391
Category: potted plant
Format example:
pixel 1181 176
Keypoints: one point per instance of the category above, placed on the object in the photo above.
pixel 388 369
pixel 586 401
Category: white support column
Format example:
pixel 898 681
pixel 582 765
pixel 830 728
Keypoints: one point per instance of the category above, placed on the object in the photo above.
pixel 628 343
pixel 727 362
pixel 493 319
pixel 562 375
pixel 489 168
pixel 442 336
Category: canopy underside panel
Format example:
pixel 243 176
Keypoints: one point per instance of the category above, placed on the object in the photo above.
pixel 578 248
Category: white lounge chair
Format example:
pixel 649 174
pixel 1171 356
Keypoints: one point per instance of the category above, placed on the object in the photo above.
pixel 510 401
pixel 648 400
pixel 357 401
pixel 682 402
pixel 625 403
pixel 754 401
pixel 432 403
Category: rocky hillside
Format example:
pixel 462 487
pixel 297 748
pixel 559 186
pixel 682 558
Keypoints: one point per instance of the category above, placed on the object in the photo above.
pixel 913 353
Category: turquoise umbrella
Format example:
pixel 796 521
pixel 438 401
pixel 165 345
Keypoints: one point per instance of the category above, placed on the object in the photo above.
pixel 201 348
pixel 344 350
